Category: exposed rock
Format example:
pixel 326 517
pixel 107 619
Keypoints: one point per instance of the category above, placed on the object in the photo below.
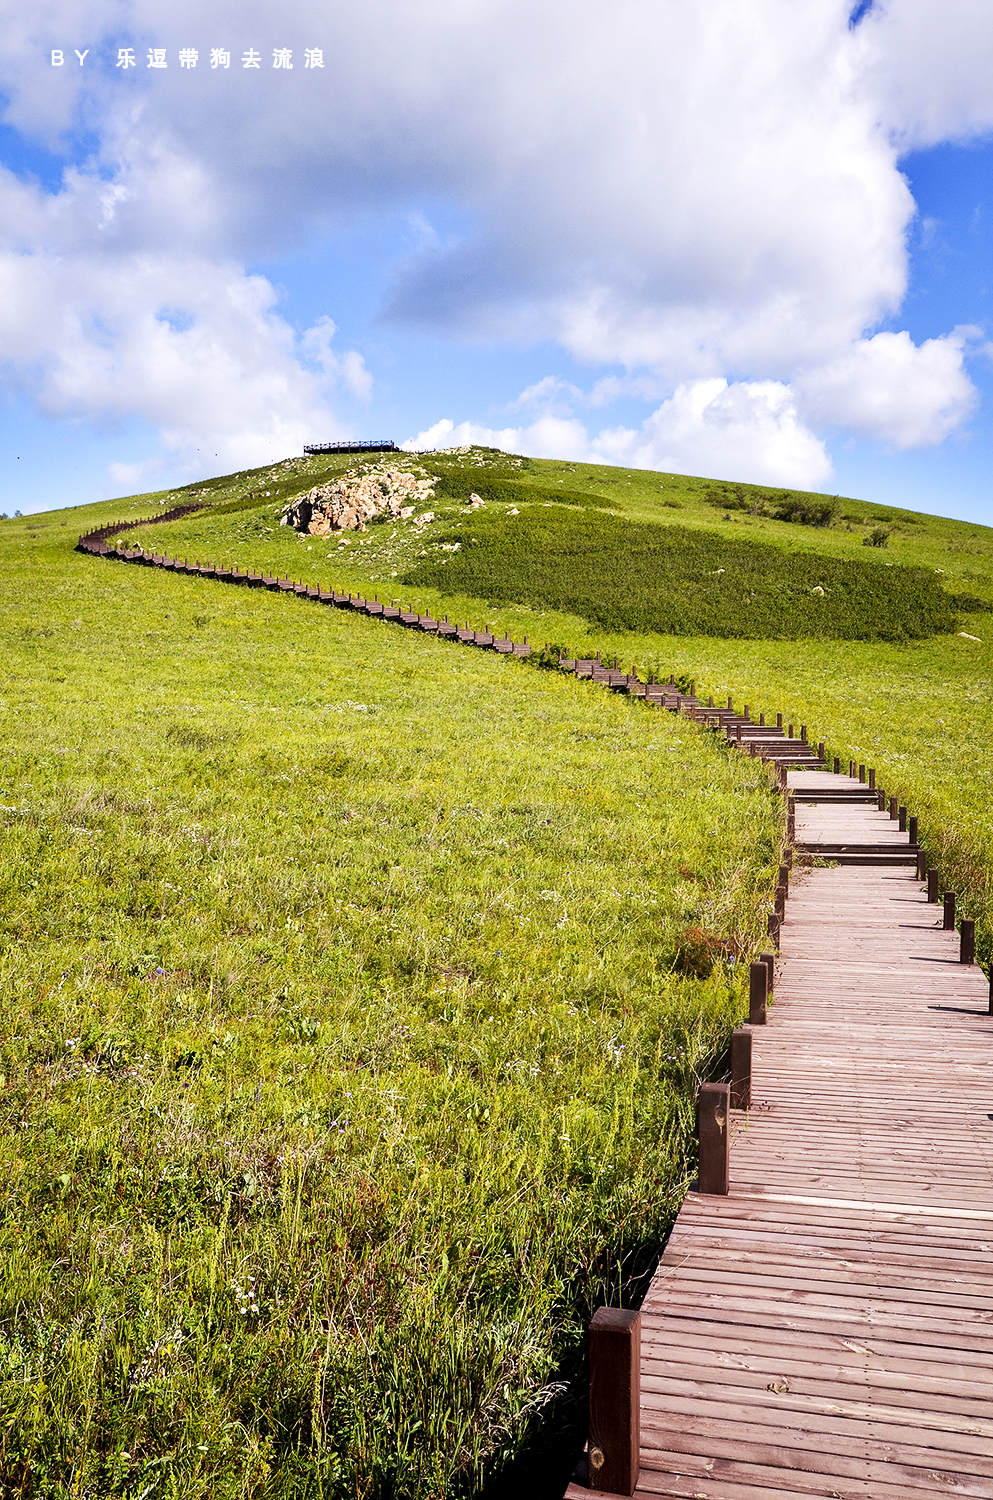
pixel 348 503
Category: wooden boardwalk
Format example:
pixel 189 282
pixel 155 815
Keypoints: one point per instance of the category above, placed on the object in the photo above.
pixel 827 1328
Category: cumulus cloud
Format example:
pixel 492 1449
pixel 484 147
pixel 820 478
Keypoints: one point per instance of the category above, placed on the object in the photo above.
pixel 892 390
pixel 748 430
pixel 707 197
pixel 193 346
pixel 927 64
pixel 548 437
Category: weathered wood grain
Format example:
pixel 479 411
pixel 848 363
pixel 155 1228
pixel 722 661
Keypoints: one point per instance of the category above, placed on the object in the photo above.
pixel 826 1329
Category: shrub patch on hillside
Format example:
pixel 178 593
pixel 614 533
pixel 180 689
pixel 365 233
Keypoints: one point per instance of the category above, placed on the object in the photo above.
pixel 779 505
pixel 459 484
pixel 627 575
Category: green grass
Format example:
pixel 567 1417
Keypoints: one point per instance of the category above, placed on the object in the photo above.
pixel 638 576
pixel 458 891
pixel 347 1057
pixel 919 710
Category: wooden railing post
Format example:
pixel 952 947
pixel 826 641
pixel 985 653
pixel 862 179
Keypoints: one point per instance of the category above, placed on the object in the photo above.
pixel 615 1400
pixel 902 816
pixel 894 809
pixel 872 779
pixel 769 959
pixel 741 1068
pixel 949 913
pixel 837 765
pixel 921 865
pixel 932 886
pixel 758 993
pixel 862 774
pixel 967 941
pixel 712 1107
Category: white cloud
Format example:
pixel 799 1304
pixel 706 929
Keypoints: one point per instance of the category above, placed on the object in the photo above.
pixel 549 392
pixel 548 437
pixel 192 345
pixel 348 369
pixel 891 390
pixel 927 62
pixel 748 431
pixel 693 193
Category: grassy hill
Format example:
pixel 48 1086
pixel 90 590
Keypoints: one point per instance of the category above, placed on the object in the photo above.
pixel 909 692
pixel 350 1033
pixel 354 1005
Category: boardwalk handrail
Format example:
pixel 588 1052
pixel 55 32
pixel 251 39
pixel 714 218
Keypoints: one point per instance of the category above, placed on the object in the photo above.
pixel 355 445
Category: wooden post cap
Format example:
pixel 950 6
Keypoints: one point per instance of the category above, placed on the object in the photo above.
pixel 615 1400
pixel 712 1109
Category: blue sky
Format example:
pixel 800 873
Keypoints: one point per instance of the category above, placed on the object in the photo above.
pixel 747 240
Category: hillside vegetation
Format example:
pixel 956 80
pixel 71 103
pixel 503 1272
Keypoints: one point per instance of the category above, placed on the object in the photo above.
pixel 920 710
pixel 355 995
pixel 642 577
pixel 357 986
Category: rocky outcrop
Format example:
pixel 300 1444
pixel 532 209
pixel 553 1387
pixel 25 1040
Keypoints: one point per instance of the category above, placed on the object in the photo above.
pixel 349 503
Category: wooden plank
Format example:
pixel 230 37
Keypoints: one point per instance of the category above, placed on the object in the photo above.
pixel 827 1328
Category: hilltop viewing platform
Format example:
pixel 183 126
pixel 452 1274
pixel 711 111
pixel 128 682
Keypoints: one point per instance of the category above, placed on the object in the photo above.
pixel 354 445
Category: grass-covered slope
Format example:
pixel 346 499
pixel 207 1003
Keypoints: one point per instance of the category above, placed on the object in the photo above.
pixel 640 576
pixel 920 710
pixel 346 1057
